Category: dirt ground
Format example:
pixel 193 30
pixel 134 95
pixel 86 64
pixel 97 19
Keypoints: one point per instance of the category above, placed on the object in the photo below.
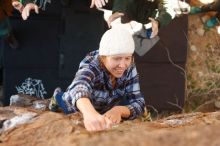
pixel 55 129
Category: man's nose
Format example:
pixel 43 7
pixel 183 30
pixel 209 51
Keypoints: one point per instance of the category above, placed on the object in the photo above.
pixel 123 64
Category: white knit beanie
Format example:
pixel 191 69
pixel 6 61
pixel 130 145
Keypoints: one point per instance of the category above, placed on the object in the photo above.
pixel 116 41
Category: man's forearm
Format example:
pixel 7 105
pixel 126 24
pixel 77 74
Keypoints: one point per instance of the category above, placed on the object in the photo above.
pixel 84 105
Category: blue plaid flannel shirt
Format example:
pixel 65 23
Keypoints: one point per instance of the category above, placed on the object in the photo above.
pixel 93 81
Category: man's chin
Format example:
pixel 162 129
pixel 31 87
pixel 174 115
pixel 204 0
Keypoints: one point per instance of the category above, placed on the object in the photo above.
pixel 118 75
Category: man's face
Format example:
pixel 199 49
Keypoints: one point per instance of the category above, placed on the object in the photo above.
pixel 117 64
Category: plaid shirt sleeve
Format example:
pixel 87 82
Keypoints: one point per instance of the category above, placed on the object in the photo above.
pixel 133 94
pixel 82 83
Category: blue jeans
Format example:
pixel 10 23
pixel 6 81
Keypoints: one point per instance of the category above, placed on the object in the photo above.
pixel 61 103
pixel 5 27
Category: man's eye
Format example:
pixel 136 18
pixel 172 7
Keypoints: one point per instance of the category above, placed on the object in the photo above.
pixel 128 58
pixel 117 58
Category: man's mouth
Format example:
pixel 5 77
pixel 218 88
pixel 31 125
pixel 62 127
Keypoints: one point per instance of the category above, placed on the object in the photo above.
pixel 119 71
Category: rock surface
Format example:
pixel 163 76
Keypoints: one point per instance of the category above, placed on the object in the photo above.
pixel 55 129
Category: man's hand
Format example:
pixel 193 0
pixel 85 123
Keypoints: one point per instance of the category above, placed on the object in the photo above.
pixel 93 121
pixel 98 3
pixel 113 17
pixel 155 28
pixel 114 115
pixel 26 11
pixel 18 6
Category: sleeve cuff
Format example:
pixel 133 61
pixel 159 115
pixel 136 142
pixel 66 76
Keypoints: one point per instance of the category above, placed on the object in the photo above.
pixel 132 112
pixel 79 94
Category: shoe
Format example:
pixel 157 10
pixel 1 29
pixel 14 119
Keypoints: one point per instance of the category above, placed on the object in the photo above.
pixel 12 41
pixel 53 105
pixel 195 10
pixel 212 22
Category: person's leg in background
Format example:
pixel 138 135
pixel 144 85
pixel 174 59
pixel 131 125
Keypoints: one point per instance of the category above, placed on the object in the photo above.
pixel 215 7
pixel 213 21
pixel 3 33
pixel 1 72
pixel 7 34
